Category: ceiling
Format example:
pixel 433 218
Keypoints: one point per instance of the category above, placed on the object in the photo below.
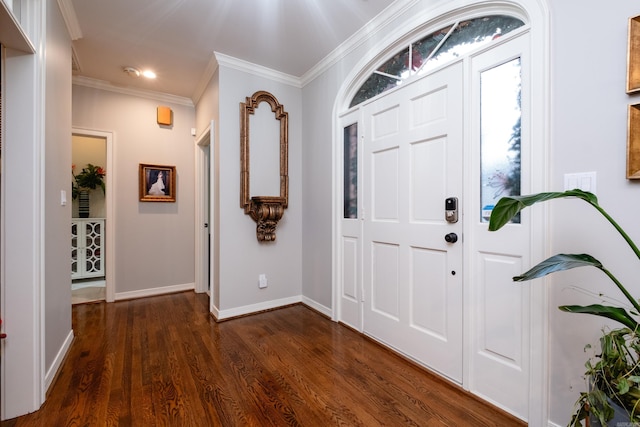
pixel 177 38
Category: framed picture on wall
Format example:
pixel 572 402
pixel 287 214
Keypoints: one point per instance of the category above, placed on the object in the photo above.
pixel 633 55
pixel 157 183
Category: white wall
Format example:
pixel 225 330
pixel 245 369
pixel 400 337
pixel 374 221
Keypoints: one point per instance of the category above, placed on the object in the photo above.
pixel 589 123
pixel 57 157
pixel 154 242
pixel 21 234
pixel 242 257
pixel 36 300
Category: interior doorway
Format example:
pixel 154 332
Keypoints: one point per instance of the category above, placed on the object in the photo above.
pixel 206 221
pixel 92 232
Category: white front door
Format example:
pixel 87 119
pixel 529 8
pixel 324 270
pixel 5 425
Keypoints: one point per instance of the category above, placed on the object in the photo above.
pixel 412 162
pixel 450 306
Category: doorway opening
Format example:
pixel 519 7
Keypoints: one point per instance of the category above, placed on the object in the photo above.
pixel 89 156
pixel 206 221
pixel 92 225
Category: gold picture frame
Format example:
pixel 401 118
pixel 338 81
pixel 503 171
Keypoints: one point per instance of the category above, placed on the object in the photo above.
pixel 633 55
pixel 265 210
pixel 157 183
pixel 633 142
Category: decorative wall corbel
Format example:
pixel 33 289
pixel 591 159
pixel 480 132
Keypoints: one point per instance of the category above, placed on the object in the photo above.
pixel 266 211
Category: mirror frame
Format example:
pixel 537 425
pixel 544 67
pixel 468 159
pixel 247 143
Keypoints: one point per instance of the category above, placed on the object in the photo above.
pixel 265 210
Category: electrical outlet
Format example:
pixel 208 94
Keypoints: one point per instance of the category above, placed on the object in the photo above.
pixel 262 281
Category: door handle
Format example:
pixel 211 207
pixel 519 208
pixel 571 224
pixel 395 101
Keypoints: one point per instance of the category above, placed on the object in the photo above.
pixel 451 238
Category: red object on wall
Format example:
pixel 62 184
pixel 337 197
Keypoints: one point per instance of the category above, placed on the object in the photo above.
pixel 2 335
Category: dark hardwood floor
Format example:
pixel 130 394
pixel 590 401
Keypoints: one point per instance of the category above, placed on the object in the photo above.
pixel 163 361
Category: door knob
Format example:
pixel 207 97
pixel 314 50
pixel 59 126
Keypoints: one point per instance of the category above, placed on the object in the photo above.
pixel 451 238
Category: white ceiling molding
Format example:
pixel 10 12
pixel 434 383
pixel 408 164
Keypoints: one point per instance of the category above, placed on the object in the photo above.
pixel 212 66
pixel 70 19
pixel 257 70
pixel 75 61
pixel 157 96
pixel 374 26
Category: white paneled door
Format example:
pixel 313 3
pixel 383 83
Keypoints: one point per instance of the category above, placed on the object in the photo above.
pixel 437 291
pixel 412 162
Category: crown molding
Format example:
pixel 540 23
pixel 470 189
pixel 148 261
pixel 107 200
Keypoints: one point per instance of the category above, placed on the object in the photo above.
pixel 257 70
pixel 157 96
pixel 70 19
pixel 370 29
pixel 212 66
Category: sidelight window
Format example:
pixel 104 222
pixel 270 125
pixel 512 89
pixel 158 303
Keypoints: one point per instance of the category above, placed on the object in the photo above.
pixel 350 171
pixel 500 134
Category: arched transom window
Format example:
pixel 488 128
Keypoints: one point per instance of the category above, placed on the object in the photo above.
pixel 439 47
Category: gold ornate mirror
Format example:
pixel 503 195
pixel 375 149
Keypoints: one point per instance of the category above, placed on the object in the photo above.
pixel 266 210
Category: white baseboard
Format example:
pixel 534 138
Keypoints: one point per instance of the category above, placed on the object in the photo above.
pixel 154 291
pixel 57 362
pixel 254 308
pixel 269 305
pixel 318 307
pixel 215 311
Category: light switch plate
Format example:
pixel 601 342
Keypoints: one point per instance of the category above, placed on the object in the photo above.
pixel 585 181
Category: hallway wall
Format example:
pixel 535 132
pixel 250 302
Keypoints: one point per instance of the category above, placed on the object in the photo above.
pixel 588 133
pixel 242 257
pixel 154 241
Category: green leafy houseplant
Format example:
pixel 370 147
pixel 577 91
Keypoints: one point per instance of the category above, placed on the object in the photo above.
pixel 90 178
pixel 614 374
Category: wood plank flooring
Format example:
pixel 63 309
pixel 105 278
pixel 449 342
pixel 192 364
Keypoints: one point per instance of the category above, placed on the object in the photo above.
pixel 163 361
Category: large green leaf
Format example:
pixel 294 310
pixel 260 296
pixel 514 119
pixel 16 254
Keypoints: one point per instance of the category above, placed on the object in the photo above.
pixel 510 206
pixel 615 313
pixel 559 262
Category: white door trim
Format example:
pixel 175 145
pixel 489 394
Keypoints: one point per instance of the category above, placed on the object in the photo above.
pixel 204 210
pixel 110 237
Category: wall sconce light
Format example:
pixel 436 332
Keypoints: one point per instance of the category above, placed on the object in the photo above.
pixel 164 116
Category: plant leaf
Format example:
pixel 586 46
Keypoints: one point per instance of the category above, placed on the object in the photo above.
pixel 558 262
pixel 509 206
pixel 615 313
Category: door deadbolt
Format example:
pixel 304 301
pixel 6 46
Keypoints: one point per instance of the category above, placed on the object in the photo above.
pixel 451 209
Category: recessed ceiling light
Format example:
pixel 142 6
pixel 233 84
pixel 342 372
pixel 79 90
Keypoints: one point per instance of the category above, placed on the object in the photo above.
pixel 149 74
pixel 131 71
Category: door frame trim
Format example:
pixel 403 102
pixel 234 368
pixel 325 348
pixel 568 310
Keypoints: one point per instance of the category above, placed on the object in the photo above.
pixel 110 235
pixel 205 139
